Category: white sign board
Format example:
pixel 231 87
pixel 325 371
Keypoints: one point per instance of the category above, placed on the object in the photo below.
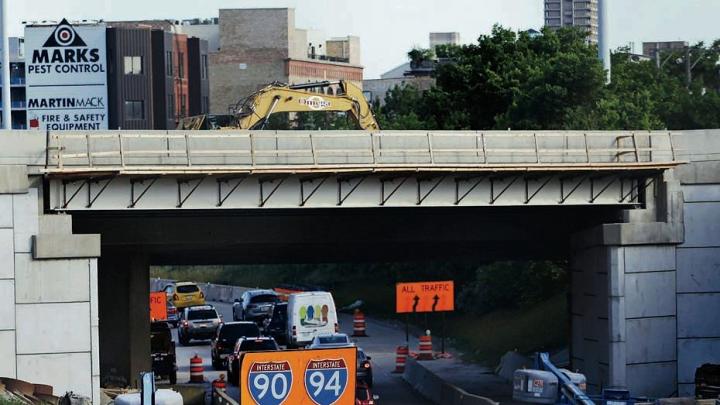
pixel 66 77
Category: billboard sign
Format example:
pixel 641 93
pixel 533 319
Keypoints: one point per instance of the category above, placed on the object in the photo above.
pixel 299 377
pixel 429 296
pixel 66 77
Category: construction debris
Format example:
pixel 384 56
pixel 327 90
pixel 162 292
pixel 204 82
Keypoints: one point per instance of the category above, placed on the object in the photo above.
pixel 23 392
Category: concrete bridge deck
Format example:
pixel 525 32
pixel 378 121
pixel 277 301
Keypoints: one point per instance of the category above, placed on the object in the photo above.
pixel 208 170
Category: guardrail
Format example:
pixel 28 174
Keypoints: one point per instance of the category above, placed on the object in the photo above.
pixel 248 150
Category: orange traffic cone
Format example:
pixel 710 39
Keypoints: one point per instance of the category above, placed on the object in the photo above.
pixel 401 355
pixel 425 351
pixel 359 325
pixel 196 369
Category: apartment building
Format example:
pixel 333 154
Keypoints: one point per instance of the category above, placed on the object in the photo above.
pixel 573 13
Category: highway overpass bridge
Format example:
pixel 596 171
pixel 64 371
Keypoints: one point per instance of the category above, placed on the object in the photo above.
pixel 83 215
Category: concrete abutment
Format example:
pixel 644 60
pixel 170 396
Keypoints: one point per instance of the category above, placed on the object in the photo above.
pixel 48 292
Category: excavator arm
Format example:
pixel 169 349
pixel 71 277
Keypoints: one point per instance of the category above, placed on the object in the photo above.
pixel 254 112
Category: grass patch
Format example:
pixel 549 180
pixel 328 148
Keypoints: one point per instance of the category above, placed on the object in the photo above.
pixel 542 327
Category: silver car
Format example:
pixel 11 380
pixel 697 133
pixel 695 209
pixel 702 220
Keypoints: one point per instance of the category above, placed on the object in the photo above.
pixel 255 305
pixel 199 323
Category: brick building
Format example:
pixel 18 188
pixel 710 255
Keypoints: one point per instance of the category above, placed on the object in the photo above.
pixel 260 46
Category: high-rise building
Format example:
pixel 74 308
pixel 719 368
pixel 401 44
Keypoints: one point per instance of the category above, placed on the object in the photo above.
pixel 573 13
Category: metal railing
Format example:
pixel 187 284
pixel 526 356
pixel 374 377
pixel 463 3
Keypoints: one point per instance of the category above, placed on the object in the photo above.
pixel 337 150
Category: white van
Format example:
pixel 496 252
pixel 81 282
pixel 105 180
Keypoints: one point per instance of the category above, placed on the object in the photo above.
pixel 310 314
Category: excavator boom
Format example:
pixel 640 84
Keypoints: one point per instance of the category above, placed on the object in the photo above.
pixel 254 111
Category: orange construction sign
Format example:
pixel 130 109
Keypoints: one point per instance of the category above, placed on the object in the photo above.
pixel 428 296
pixel 158 306
pixel 299 377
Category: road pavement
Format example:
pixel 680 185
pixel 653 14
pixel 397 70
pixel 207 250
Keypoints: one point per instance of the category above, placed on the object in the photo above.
pixel 381 345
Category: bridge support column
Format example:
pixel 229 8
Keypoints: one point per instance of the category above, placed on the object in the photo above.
pixel 48 293
pixel 124 316
pixel 624 312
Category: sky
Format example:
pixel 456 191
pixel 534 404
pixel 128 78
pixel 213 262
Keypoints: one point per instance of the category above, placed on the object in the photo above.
pixel 388 29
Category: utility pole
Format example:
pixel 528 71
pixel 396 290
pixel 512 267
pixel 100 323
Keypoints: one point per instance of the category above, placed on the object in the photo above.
pixel 6 102
pixel 604 39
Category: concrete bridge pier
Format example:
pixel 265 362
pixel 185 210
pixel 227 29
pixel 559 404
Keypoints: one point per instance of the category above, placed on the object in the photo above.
pixel 124 315
pixel 48 292
pixel 643 291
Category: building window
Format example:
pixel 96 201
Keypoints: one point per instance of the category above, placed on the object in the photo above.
pixel 205 105
pixel 204 67
pixel 168 63
pixel 181 65
pixel 183 104
pixel 134 110
pixel 171 106
pixel 133 65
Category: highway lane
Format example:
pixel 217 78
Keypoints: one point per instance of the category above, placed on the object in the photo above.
pixel 381 344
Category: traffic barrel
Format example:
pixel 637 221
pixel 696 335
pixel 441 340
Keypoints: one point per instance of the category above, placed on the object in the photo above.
pixel 359 324
pixel 196 369
pixel 219 384
pixel 425 351
pixel 401 355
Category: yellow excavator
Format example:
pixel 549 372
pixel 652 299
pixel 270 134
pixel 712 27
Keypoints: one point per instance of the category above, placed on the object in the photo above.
pixel 254 111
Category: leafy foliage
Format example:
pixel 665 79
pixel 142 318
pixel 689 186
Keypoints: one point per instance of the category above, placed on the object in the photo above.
pixel 555 81
pixel 512 285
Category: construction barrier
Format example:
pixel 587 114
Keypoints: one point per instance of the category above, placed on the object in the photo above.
pixel 219 384
pixel 434 388
pixel 401 355
pixel 425 351
pixel 359 324
pixel 196 369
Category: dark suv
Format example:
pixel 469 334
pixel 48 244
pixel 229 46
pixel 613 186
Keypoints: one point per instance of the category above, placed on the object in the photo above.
pixel 224 341
pixel 162 349
pixel 199 323
pixel 243 345
pixel 276 325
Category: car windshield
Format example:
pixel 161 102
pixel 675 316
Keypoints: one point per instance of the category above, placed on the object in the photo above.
pixel 361 356
pixel 332 339
pixel 361 394
pixel 202 314
pixel 257 345
pixel 234 332
pixel 263 298
pixel 186 289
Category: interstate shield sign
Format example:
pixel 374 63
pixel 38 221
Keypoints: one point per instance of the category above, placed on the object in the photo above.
pixel 270 383
pixel 326 380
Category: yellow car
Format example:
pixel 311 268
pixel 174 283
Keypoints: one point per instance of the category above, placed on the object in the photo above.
pixel 186 295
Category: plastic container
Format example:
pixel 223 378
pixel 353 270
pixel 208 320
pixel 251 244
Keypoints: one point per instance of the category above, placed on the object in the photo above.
pixel 535 386
pixel 162 397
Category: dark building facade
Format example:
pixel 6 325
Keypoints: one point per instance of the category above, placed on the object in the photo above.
pixel 163 85
pixel 155 77
pixel 130 78
pixel 199 88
